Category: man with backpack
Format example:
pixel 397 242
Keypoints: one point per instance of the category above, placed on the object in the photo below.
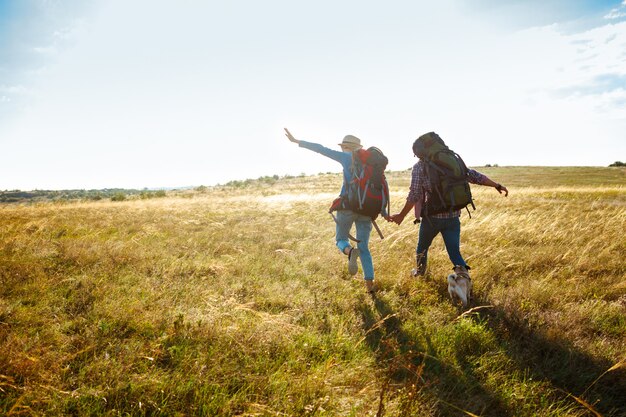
pixel 439 190
pixel 364 194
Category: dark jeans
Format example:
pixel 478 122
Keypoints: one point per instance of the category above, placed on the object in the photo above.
pixel 450 230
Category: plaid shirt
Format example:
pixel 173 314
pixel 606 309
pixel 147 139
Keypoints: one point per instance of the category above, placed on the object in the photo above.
pixel 420 187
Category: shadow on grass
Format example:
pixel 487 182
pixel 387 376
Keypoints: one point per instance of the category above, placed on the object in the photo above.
pixel 412 366
pixel 413 370
pixel 559 363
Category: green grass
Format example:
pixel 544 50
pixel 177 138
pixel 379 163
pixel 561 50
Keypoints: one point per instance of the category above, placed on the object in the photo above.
pixel 233 301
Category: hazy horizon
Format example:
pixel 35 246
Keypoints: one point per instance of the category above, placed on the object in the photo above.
pixel 280 176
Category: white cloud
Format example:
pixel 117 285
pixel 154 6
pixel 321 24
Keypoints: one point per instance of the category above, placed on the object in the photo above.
pixel 14 89
pixel 63 38
pixel 46 50
pixel 617 13
pixel 598 66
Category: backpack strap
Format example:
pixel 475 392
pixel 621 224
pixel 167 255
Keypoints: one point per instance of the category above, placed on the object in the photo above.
pixel 378 229
pixel 386 204
pixel 362 197
pixel 436 189
pixel 349 235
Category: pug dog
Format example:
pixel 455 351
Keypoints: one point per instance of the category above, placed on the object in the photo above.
pixel 460 286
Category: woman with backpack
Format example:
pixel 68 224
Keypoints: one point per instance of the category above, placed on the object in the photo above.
pixel 429 199
pixel 346 218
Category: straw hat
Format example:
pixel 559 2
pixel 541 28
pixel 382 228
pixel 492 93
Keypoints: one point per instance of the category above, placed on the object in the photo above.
pixel 350 141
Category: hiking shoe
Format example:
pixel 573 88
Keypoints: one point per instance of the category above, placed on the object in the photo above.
pixel 353 267
pixel 370 286
pixel 418 272
pixel 420 263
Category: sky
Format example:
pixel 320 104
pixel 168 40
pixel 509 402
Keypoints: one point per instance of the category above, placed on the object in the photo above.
pixel 152 93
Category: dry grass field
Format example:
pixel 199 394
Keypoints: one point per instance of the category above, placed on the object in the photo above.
pixel 233 301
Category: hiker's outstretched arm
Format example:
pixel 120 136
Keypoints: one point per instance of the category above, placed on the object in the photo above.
pixel 315 147
pixel 476 177
pixel 499 187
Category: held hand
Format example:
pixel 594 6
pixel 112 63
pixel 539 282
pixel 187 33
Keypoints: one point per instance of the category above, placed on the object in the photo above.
pixel 396 218
pixel 290 136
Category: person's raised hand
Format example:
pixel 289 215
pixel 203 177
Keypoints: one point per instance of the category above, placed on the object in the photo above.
pixel 290 136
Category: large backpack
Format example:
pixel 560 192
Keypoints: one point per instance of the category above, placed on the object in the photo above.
pixel 368 191
pixel 447 173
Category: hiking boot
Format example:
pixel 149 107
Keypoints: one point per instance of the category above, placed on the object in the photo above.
pixel 353 256
pixel 370 286
pixel 419 271
pixel 421 266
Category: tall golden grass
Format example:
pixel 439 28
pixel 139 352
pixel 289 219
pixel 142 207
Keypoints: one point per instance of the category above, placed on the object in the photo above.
pixel 234 301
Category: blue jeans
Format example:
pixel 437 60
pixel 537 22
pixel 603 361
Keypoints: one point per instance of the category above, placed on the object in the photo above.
pixel 345 219
pixel 450 230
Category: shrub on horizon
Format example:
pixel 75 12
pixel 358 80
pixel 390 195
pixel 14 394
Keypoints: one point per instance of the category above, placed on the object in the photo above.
pixel 119 196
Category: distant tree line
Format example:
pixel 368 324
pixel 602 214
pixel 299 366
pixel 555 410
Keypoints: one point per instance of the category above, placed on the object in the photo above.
pixel 115 194
pixel 618 164
pixel 267 180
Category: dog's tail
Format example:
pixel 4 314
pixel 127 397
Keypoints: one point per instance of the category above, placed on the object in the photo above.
pixel 452 279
